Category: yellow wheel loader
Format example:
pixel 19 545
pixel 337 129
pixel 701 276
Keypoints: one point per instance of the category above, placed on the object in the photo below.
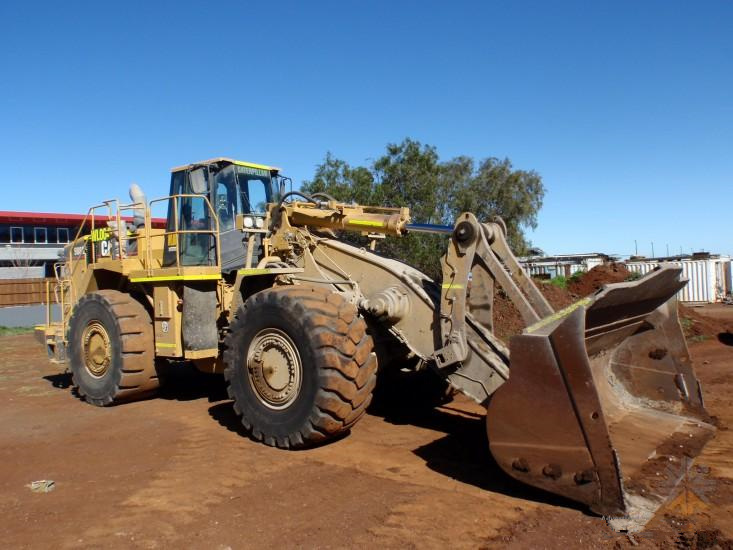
pixel 597 402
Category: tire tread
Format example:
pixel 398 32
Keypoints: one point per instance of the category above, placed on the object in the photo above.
pixel 347 366
pixel 138 376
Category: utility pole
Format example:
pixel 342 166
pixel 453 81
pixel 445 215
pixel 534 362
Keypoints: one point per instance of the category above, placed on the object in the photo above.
pixel 667 251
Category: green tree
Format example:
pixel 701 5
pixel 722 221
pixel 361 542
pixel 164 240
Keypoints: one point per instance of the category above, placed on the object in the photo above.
pixel 497 189
pixel 412 174
pixel 337 178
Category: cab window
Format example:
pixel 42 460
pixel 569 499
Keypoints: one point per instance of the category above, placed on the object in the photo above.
pixel 225 198
pixel 255 189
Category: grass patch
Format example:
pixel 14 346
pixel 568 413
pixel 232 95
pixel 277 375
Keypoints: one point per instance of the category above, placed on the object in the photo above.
pixel 562 282
pixel 9 331
pixel 559 281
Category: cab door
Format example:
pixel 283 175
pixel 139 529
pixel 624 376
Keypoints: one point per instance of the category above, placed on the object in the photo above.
pixel 189 214
pixel 226 205
pixel 239 190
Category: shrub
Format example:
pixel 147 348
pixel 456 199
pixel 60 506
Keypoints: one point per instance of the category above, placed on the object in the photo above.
pixel 559 281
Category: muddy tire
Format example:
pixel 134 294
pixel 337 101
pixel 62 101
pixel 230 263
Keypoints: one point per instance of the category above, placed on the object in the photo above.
pixel 111 349
pixel 300 366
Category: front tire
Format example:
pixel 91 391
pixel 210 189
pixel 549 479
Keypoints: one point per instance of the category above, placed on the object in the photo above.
pixel 300 366
pixel 111 348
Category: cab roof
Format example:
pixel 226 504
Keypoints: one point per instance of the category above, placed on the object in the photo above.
pixel 230 161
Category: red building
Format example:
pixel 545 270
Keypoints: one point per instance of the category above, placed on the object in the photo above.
pixel 31 242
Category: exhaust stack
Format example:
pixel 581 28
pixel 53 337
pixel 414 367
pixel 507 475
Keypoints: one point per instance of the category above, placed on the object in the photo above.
pixel 138 198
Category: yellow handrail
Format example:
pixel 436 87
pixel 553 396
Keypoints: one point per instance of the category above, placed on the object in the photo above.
pixel 114 210
pixel 177 231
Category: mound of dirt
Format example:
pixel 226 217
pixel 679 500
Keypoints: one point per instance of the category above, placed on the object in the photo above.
pixel 559 298
pixel 508 322
pixel 698 327
pixel 612 272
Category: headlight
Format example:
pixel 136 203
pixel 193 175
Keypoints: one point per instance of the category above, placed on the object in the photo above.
pixel 259 223
pixel 248 222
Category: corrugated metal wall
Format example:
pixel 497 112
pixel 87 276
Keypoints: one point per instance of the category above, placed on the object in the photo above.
pixel 707 279
pixel 554 269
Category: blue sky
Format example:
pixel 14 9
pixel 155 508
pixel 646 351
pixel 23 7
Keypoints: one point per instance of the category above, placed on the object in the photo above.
pixel 624 107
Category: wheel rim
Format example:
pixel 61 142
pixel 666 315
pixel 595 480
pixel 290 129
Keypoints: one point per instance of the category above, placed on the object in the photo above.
pixel 274 368
pixel 97 349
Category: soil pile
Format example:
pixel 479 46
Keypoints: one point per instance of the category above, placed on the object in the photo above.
pixel 698 327
pixel 558 297
pixel 612 272
pixel 508 322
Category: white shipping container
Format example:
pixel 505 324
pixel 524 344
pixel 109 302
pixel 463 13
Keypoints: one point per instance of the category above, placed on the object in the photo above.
pixel 708 279
pixel 566 265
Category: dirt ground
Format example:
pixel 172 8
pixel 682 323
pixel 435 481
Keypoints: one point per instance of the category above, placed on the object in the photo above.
pixel 176 472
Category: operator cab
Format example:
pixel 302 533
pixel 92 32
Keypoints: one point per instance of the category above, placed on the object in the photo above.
pixel 231 187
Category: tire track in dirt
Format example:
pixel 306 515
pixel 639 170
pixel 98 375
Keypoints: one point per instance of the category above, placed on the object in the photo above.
pixel 182 493
pixel 429 520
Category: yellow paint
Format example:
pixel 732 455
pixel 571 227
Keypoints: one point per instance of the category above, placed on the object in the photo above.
pixel 164 345
pixel 100 234
pixel 214 277
pixel 452 285
pixel 559 315
pixel 253 165
pixel 253 271
pixel 367 223
pixel 233 161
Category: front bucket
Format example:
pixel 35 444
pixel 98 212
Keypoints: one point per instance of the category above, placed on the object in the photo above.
pixel 602 405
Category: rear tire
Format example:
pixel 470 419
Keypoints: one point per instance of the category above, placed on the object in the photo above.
pixel 111 348
pixel 300 366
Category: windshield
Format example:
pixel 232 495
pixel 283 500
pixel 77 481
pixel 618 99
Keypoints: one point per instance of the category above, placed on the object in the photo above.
pixel 240 190
pixel 255 189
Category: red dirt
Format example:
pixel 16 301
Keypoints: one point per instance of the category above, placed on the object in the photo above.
pixel 176 471
pixel 612 272
pixel 709 322
pixel 508 322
